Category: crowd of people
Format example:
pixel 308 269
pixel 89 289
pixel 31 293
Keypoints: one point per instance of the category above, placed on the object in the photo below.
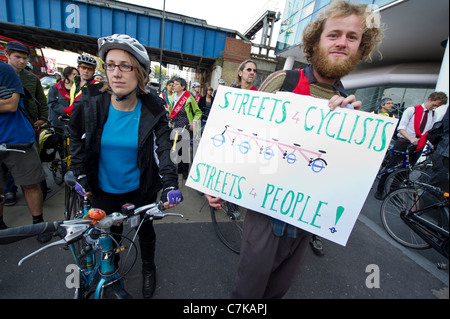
pixel 120 131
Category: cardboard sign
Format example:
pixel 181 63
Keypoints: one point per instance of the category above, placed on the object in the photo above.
pixel 288 156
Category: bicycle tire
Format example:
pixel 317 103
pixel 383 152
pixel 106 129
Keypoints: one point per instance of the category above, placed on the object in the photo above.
pixel 228 224
pixel 115 291
pixel 59 166
pixel 400 201
pixel 400 178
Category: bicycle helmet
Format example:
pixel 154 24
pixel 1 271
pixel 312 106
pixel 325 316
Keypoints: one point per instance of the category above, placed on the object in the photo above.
pixel 86 59
pixel 126 43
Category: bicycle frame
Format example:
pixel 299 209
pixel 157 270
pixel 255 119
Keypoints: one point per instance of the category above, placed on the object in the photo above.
pixel 405 163
pixel 429 232
pixel 104 267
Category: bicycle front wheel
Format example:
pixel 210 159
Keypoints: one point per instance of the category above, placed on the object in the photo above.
pixel 228 223
pixel 401 201
pixel 399 178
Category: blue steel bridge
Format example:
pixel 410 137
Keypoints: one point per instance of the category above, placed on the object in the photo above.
pixel 75 26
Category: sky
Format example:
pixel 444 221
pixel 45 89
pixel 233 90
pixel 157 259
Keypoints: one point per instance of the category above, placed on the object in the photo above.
pixel 236 15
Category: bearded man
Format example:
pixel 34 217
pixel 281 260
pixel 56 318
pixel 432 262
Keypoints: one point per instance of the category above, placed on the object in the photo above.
pixel 334 44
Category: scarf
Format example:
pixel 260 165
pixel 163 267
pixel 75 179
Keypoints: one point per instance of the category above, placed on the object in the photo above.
pixel 180 103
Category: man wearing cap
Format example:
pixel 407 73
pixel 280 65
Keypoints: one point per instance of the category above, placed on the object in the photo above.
pixel 34 101
pixel 15 128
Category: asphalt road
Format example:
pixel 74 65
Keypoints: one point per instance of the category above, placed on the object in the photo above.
pixel 193 264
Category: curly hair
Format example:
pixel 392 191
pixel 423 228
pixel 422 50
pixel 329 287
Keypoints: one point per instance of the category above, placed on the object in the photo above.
pixel 372 34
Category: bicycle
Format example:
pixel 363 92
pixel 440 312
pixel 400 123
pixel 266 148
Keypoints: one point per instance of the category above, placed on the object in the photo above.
pixel 60 161
pixel 76 204
pixel 418 217
pixel 228 224
pixel 96 253
pixel 403 172
pixel 269 148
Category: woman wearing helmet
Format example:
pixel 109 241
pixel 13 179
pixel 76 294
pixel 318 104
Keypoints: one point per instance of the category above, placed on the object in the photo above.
pixel 120 141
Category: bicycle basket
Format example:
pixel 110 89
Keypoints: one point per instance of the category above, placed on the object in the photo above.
pixel 48 142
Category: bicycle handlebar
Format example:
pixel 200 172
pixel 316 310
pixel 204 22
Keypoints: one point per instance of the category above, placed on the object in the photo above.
pixel 11 235
pixel 15 147
pixel 74 228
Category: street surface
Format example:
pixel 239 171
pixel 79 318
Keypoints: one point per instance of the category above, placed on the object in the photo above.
pixel 193 264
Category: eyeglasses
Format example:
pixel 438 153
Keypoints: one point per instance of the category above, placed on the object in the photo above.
pixel 250 70
pixel 84 68
pixel 122 67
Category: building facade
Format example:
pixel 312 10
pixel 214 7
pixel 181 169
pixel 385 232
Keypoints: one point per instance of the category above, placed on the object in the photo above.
pixel 411 62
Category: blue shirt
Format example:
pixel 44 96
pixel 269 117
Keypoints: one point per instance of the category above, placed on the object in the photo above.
pixel 118 167
pixel 14 126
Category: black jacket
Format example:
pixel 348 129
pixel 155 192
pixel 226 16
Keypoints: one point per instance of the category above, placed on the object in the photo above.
pixel 154 145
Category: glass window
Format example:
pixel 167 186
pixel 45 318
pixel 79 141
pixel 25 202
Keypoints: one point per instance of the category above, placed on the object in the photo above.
pixel 320 4
pixel 299 32
pixel 307 10
pixel 382 3
pixel 402 97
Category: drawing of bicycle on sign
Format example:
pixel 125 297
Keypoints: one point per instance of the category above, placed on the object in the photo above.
pixel 269 148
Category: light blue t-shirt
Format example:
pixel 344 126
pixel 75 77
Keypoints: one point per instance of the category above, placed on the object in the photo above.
pixel 118 167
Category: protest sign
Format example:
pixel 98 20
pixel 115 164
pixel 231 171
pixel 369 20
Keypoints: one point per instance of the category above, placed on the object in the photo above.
pixel 290 157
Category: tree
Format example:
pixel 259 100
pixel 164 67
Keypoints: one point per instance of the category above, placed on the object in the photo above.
pixel 155 72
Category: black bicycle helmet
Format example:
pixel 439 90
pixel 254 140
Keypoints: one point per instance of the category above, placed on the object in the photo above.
pixel 86 59
pixel 126 43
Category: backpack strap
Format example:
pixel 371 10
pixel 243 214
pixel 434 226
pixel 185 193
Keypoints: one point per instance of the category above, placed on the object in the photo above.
pixel 296 82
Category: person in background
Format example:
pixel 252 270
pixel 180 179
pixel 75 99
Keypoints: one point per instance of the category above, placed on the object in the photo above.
pixel 221 82
pixel 58 76
pixel 15 128
pixel 245 75
pixel 205 104
pixel 120 142
pixel 99 77
pixel 58 97
pixel 167 93
pixel 86 68
pixel 412 132
pixel 385 109
pixel 183 111
pixel 196 91
pixel 34 100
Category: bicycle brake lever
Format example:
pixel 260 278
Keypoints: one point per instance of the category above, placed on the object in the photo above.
pixel 161 215
pixel 72 232
pixel 56 243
